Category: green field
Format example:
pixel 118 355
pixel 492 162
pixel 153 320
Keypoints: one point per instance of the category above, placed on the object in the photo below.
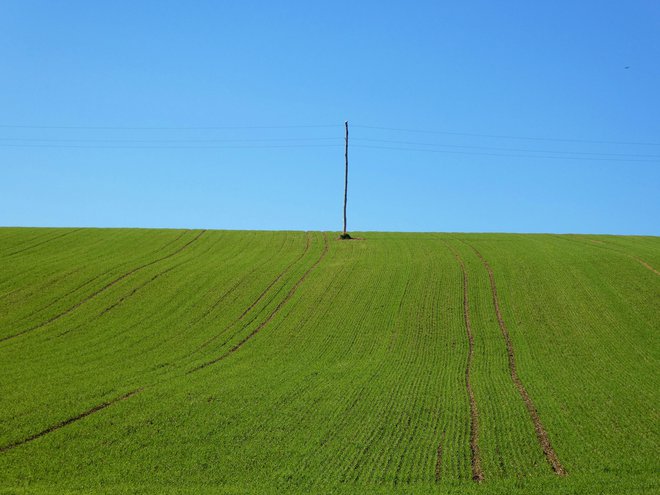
pixel 177 361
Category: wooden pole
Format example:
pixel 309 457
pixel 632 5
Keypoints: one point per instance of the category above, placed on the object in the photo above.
pixel 345 178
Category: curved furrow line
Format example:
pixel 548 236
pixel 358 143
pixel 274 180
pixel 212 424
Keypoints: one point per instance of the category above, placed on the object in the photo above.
pixel 252 305
pixel 132 288
pixel 381 459
pixel 75 289
pixel 631 256
pixel 327 300
pixel 32 236
pixel 101 290
pixel 128 395
pixel 320 315
pixel 609 247
pixel 395 333
pixel 355 459
pixel 645 264
pixel 477 472
pixel 40 243
pixel 88 281
pixel 67 422
pixel 541 433
pixel 141 286
pixel 273 313
pixel 43 288
pixel 231 289
pixel 126 296
pixel 265 291
pixel 175 240
pixel 438 463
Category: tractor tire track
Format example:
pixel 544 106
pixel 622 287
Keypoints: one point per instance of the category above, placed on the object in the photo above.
pixel 254 303
pixel 87 282
pixel 631 256
pixel 48 283
pixel 541 433
pixel 134 290
pixel 273 313
pixel 102 289
pixel 477 471
pixel 106 404
pixel 67 422
pixel 645 264
pixel 135 392
pixel 67 294
pixel 609 247
pixel 127 295
pixel 32 246
pixel 240 281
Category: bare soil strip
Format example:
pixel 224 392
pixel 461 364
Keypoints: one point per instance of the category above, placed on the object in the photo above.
pixel 67 422
pixel 102 289
pixel 286 299
pixel 541 433
pixel 32 246
pixel 645 264
pixel 254 303
pixel 477 472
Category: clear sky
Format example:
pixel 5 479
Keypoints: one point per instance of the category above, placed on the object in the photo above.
pixel 545 116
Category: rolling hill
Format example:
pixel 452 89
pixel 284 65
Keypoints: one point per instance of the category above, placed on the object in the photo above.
pixel 191 361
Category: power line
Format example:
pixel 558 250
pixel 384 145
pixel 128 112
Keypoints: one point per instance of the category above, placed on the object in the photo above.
pixel 500 136
pixel 318 126
pixel 27 142
pixel 166 128
pixel 291 142
pixel 168 147
pixel 293 146
pixel 503 155
pixel 525 150
pixel 113 140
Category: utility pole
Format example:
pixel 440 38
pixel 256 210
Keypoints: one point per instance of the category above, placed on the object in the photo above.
pixel 345 235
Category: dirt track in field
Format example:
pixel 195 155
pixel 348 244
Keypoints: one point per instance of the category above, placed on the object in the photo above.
pixel 253 304
pixel 101 290
pixel 126 396
pixel 265 291
pixel 477 471
pixel 231 289
pixel 32 246
pixel 89 281
pixel 277 309
pixel 67 422
pixel 609 247
pixel 645 264
pixel 541 432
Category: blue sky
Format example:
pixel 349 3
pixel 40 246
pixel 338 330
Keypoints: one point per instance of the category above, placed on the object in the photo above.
pixel 538 116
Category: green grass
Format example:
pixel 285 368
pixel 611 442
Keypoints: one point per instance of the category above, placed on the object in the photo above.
pixel 292 362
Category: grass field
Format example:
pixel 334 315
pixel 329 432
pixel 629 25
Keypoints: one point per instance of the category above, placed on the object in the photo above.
pixel 171 361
